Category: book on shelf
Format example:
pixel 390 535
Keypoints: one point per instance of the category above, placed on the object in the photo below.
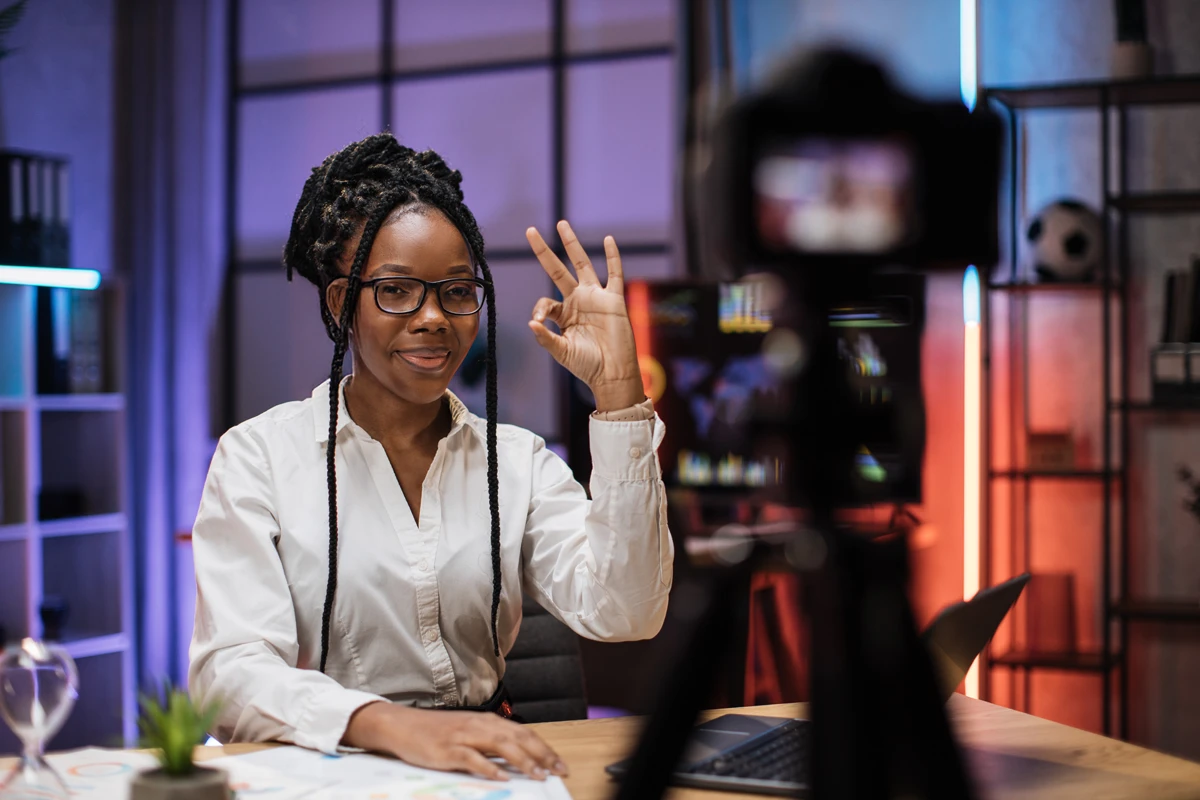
pixel 1194 301
pixel 1183 306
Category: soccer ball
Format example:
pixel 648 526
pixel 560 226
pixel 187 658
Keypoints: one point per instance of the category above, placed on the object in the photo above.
pixel 1065 242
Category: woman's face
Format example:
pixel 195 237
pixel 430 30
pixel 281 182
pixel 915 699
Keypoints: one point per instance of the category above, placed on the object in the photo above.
pixel 415 355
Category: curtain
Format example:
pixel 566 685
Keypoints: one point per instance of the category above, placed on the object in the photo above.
pixel 169 166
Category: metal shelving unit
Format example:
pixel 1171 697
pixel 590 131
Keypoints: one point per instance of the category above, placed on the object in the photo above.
pixel 1111 101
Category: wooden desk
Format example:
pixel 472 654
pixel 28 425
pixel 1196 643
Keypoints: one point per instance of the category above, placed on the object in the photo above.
pixel 1012 755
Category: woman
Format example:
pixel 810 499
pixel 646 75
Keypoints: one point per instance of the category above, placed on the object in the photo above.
pixel 348 589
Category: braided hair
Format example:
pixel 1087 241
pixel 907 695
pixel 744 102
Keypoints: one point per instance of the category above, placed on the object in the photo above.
pixel 359 187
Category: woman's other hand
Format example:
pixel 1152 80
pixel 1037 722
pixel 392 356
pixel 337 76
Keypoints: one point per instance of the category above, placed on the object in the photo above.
pixel 460 741
pixel 595 339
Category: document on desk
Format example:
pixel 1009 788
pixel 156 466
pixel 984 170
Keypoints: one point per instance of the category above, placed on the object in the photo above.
pixel 369 777
pixel 96 773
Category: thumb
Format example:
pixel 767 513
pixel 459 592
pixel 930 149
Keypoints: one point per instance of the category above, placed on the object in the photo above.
pixel 551 342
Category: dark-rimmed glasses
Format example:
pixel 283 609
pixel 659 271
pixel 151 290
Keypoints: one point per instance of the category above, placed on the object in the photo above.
pixel 461 297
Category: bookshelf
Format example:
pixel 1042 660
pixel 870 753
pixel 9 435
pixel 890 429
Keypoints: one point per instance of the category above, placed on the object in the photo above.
pixel 64 517
pixel 1115 291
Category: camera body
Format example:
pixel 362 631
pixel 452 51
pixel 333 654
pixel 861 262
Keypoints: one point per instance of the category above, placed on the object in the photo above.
pixel 830 166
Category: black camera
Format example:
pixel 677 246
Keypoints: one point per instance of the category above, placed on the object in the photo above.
pixel 830 163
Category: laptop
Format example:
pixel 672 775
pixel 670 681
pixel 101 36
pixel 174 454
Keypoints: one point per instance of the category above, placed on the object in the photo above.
pixel 769 755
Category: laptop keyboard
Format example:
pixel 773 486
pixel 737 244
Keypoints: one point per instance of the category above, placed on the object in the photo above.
pixel 780 755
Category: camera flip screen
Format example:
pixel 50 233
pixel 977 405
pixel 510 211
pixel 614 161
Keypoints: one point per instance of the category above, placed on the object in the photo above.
pixel 825 195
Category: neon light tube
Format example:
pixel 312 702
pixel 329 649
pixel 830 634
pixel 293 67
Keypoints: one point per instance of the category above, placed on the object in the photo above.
pixel 54 277
pixel 968 53
pixel 972 362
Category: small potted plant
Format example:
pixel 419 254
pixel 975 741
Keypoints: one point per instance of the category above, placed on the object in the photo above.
pixel 173 726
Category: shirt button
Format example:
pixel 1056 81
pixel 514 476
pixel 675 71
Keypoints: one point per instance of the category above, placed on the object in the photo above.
pixel 424 565
pixel 635 452
pixel 430 636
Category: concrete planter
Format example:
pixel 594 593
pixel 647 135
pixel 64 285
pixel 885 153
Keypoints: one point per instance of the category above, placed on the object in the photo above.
pixel 202 784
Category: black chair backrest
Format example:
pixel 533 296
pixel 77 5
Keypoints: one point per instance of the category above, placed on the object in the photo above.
pixel 544 670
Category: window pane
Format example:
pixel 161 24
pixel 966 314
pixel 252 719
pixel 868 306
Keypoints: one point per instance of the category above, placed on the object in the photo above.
pixel 616 24
pixel 636 267
pixel 456 32
pixel 280 140
pixel 290 40
pixel 282 349
pixel 620 162
pixel 495 129
pixel 528 389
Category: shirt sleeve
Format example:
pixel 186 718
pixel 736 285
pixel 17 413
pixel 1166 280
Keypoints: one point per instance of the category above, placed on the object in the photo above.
pixel 603 566
pixel 244 652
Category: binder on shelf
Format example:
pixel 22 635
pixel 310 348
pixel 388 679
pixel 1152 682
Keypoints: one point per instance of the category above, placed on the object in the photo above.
pixel 70 349
pixel 35 213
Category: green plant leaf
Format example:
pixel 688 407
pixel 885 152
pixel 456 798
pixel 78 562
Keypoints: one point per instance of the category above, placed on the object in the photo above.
pixel 172 725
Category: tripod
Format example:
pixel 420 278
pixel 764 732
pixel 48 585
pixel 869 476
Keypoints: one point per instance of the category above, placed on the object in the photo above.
pixel 879 727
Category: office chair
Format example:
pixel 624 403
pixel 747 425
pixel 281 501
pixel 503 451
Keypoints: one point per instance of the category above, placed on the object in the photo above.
pixel 544 670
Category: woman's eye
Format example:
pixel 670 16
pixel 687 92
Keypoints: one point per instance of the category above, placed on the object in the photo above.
pixel 394 290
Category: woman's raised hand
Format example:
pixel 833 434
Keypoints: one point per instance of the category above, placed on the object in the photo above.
pixel 595 339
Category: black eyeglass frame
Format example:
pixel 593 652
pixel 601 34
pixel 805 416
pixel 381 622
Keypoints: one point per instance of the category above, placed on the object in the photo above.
pixel 425 286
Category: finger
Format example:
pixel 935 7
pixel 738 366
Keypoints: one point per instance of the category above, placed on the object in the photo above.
pixel 551 342
pixel 547 309
pixel 468 759
pixel 511 750
pixel 542 752
pixel 578 256
pixel 557 271
pixel 616 273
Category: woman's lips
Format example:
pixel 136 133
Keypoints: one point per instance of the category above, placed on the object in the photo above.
pixel 426 360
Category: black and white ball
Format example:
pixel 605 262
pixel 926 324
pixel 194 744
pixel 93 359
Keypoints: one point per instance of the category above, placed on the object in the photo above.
pixel 1065 241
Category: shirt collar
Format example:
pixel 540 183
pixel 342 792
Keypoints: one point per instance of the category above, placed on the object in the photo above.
pixel 460 416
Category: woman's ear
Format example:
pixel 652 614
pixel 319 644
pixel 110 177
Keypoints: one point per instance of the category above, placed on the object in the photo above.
pixel 335 296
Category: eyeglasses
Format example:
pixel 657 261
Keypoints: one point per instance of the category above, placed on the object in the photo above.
pixel 458 296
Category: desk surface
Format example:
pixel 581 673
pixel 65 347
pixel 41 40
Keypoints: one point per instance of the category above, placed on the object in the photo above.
pixel 1011 754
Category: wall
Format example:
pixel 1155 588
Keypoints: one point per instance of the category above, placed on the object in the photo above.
pixel 56 96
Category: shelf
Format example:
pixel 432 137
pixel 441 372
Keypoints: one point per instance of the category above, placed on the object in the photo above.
pixel 1163 202
pixel 1144 407
pixel 75 526
pixel 86 646
pixel 1064 286
pixel 80 402
pixel 1159 610
pixel 1054 474
pixel 13 403
pixel 1090 94
pixel 1073 662
pixel 14 533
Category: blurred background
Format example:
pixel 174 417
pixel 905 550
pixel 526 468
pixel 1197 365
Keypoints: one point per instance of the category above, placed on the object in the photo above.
pixel 184 129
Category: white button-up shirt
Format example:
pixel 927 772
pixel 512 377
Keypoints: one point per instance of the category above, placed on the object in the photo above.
pixel 411 620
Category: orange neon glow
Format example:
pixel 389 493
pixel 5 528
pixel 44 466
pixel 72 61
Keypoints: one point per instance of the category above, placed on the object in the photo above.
pixel 971 477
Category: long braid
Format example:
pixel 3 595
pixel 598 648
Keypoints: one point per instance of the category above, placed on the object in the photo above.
pixel 358 187
pixel 493 466
pixel 335 382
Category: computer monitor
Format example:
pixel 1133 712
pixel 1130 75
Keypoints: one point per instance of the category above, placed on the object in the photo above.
pixel 701 353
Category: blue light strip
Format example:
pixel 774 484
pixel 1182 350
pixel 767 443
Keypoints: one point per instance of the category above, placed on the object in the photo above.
pixel 968 79
pixel 971 299
pixel 55 277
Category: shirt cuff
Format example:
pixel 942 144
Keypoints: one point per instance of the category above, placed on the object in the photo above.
pixel 323 723
pixel 626 450
pixel 640 412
